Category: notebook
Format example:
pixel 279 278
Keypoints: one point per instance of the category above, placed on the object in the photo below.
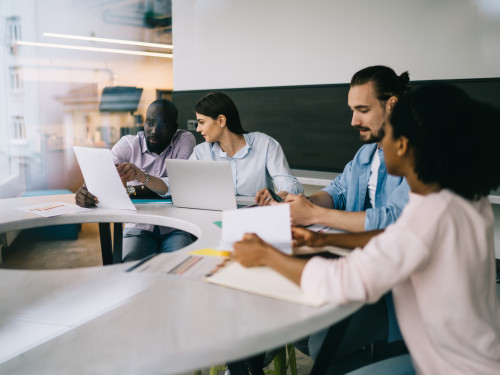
pixel 101 177
pixel 263 281
pixel 203 184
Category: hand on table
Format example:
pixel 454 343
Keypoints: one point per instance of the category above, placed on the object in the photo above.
pixel 264 198
pixel 84 198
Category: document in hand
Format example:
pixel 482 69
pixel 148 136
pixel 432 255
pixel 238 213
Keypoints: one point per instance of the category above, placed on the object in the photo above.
pixel 271 223
pixel 101 177
pixel 263 281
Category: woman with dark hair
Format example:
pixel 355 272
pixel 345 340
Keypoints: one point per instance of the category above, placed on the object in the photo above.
pixel 438 258
pixel 257 160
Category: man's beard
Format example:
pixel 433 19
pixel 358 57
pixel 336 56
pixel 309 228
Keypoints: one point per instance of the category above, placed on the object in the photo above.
pixel 373 137
pixel 157 148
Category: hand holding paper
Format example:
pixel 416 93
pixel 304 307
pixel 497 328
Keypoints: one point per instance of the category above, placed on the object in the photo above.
pixel 271 223
pixel 101 177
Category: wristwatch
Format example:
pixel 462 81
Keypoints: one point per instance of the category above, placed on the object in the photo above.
pixel 130 190
pixel 145 181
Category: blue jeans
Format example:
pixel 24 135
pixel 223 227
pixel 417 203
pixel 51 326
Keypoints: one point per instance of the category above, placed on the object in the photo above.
pixel 140 243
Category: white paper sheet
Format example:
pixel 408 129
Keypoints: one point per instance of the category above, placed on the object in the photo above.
pixel 180 265
pixel 101 177
pixel 271 223
pixel 53 209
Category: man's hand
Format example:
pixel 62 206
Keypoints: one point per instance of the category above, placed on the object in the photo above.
pixel 301 209
pixel 129 172
pixel 251 251
pixel 85 199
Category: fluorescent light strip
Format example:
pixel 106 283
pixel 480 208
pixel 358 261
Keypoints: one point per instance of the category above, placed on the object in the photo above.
pixel 108 40
pixel 95 49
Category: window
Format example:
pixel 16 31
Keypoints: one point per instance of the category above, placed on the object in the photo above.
pixel 15 79
pixel 18 127
pixel 13 32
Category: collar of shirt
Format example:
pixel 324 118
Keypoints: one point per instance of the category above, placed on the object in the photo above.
pixel 215 148
pixel 366 156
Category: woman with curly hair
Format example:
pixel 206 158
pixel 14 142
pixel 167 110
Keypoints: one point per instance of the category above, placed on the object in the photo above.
pixel 438 258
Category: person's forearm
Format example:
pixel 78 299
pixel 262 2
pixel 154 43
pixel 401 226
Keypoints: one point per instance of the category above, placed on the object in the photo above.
pixel 157 185
pixel 286 265
pixel 344 220
pixel 322 199
pixel 346 240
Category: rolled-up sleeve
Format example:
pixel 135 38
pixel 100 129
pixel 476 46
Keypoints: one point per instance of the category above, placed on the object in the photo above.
pixel 278 169
pixel 339 188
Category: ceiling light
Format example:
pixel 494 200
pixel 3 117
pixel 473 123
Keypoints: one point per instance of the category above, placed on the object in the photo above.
pixel 108 40
pixel 96 49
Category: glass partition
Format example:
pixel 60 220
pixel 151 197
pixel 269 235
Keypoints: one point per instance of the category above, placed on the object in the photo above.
pixel 58 58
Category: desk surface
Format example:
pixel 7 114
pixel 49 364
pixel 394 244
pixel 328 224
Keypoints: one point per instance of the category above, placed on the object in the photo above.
pixel 103 320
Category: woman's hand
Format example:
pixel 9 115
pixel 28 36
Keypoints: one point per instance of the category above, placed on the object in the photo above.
pixel 251 251
pixel 264 198
pixel 305 237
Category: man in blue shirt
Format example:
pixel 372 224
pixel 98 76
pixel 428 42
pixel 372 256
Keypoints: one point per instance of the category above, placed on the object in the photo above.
pixel 364 197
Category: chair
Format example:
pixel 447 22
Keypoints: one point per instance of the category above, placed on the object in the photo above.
pixel 281 363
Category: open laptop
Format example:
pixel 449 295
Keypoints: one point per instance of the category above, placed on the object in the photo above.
pixel 203 184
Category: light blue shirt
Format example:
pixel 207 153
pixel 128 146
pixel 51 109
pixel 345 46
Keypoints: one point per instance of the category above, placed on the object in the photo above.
pixel 350 189
pixel 259 164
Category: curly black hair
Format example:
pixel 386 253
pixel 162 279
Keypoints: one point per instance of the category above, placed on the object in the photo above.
pixel 454 138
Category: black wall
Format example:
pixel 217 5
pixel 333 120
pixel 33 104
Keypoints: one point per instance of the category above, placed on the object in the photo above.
pixel 312 123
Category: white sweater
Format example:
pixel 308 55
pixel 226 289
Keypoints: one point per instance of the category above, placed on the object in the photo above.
pixel 439 261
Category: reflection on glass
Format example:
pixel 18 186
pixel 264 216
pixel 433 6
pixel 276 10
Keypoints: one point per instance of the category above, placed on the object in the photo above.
pixel 52 99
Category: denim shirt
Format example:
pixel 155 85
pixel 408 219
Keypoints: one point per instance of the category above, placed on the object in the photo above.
pixel 349 192
pixel 350 189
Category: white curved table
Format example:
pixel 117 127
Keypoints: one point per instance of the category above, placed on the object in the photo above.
pixel 136 323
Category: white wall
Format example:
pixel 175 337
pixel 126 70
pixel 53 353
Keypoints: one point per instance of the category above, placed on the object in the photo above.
pixel 238 43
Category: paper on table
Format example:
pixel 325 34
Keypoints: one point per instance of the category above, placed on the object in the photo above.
pixel 53 209
pixel 271 223
pixel 101 177
pixel 180 265
pixel 264 281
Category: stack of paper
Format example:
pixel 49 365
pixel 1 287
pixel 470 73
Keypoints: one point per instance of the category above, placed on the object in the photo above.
pixel 263 281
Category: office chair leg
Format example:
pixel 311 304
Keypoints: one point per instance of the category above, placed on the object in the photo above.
pixel 280 363
pixel 292 360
